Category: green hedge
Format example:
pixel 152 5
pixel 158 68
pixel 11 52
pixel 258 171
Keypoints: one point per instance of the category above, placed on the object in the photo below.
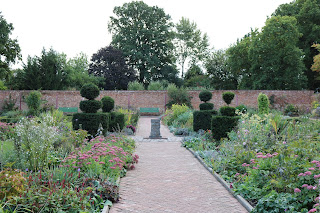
pixel 205 95
pixel 107 104
pixel 206 106
pixel 202 119
pixel 221 125
pixel 117 121
pixel 90 122
pixel 227 111
pixel 89 91
pixel 90 106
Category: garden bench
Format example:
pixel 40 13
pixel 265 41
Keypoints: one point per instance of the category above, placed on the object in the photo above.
pixel 150 110
pixel 69 109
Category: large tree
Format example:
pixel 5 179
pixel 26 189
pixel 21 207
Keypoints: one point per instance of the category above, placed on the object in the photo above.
pixel 190 44
pixel 307 13
pixel 276 61
pixel 46 72
pixel 111 64
pixel 144 35
pixel 219 71
pixel 9 48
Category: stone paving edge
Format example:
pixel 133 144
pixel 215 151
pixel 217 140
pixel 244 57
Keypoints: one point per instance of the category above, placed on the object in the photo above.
pixel 241 200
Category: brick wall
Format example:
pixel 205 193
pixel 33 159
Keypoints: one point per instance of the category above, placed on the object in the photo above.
pixel 136 99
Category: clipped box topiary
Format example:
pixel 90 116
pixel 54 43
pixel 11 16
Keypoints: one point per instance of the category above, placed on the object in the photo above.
pixel 205 95
pixel 263 104
pixel 89 91
pixel 90 122
pixel 206 106
pixel 227 111
pixel 202 119
pixel 116 121
pixel 90 106
pixel 228 97
pixel 107 104
pixel 221 125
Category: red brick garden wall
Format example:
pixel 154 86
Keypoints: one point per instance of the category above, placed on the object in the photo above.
pixel 136 99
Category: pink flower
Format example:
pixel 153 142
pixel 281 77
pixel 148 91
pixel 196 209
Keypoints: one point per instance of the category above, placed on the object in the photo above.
pixel 304 185
pixel 311 169
pixel 301 174
pixel 312 210
pixel 307 173
pixel 88 163
pixel 316 176
pixel 237 174
pixel 296 156
pixel 101 162
pixel 284 142
pixel 255 167
pixel 310 187
pixel 317 204
pixel 112 167
pixel 296 190
pixel 314 161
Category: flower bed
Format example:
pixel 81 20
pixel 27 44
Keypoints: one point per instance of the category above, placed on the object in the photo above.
pixel 51 168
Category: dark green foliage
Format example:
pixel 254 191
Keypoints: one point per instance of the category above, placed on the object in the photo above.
pixel 263 104
pixel 221 125
pixel 90 106
pixel 107 104
pixel 205 95
pixel 90 91
pixel 178 96
pixel 34 102
pixel 242 108
pixel 206 106
pixel 291 110
pixel 117 121
pixel 228 97
pixel 202 119
pixel 227 111
pixel 90 122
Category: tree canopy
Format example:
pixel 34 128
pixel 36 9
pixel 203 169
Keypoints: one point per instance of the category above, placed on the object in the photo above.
pixel 111 64
pixel 9 48
pixel 143 33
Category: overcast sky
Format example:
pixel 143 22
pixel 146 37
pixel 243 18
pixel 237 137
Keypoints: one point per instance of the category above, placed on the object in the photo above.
pixel 74 26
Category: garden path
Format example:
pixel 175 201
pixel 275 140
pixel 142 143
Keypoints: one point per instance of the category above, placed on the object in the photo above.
pixel 168 178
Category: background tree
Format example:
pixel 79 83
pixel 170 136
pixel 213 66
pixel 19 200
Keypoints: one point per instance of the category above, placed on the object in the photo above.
pixel 9 48
pixel 276 59
pixel 238 60
pixel 111 64
pixel 307 13
pixel 78 75
pixel 144 35
pixel 316 65
pixel 46 72
pixel 219 72
pixel 190 44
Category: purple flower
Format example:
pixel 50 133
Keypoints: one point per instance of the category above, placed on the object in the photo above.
pixel 78 169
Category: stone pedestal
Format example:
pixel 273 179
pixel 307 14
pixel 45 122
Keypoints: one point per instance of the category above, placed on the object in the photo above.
pixel 155 129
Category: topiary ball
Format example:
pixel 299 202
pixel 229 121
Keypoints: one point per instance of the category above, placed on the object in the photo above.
pixel 206 106
pixel 228 97
pixel 90 106
pixel 107 104
pixel 90 91
pixel 205 95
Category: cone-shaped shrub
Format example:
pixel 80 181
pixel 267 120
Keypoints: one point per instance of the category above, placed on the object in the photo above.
pixel 228 97
pixel 107 104
pixel 263 104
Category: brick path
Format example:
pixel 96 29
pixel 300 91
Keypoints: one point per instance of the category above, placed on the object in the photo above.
pixel 169 179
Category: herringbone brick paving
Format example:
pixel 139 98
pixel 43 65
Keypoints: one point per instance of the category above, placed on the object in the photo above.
pixel 169 179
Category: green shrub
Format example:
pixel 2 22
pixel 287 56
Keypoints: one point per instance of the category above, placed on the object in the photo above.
pixel 34 102
pixel 107 104
pixel 291 110
pixel 178 96
pixel 205 95
pixel 135 85
pixel 116 121
pixel 155 85
pixel 263 104
pixel 90 122
pixel 9 104
pixel 221 125
pixel 227 111
pixel 228 97
pixel 242 108
pixel 172 114
pixel 89 91
pixel 206 106
pixel 90 106
pixel 202 119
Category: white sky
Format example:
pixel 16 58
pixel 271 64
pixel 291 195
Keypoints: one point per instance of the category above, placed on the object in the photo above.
pixel 74 26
